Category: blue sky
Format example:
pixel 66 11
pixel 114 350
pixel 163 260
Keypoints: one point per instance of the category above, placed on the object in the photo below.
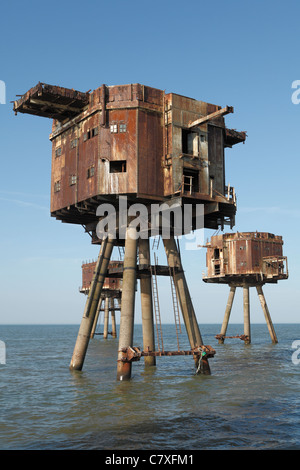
pixel 241 54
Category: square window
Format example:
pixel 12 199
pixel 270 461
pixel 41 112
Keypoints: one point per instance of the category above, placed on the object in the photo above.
pixel 72 180
pixel 122 127
pixel 117 166
pixel 57 186
pixel 114 128
pixel 87 135
pixel 94 131
pixel 73 143
pixel 58 152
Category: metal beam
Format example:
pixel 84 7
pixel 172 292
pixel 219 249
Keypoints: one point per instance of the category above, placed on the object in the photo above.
pixel 209 117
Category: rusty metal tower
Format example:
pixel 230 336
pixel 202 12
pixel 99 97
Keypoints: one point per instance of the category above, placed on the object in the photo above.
pixel 246 259
pixel 111 295
pixel 148 147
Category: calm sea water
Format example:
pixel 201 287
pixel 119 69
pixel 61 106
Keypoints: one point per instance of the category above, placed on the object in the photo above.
pixel 251 400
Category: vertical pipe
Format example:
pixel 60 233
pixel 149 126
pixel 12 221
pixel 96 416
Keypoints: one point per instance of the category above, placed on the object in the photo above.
pixel 246 313
pixel 185 300
pixel 106 317
pixel 227 313
pixel 146 303
pixel 96 318
pixel 266 314
pixel 128 302
pixel 87 321
pixel 113 318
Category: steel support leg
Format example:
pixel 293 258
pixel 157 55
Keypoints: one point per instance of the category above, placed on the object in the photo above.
pixel 146 303
pixel 246 301
pixel 113 318
pixel 227 313
pixel 185 300
pixel 106 318
pixel 128 302
pixel 96 318
pixel 88 318
pixel 266 314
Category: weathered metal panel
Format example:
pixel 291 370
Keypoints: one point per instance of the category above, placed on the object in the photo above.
pixel 150 151
pixel 216 158
pixel 123 147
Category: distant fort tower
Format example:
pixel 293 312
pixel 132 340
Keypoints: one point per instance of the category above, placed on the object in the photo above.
pixel 147 146
pixel 248 259
pixel 110 298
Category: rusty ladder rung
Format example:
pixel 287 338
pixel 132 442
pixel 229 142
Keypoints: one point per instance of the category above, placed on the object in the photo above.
pixel 175 305
pixel 156 305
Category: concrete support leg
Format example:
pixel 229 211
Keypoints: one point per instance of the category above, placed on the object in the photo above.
pixel 113 318
pixel 88 318
pixel 146 303
pixel 266 314
pixel 227 313
pixel 128 302
pixel 96 318
pixel 246 301
pixel 106 318
pixel 185 301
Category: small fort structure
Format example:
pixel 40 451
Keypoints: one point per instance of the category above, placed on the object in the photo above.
pixel 246 259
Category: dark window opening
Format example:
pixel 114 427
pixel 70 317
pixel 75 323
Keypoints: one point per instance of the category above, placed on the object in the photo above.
pixel 58 152
pixel 90 172
pixel 90 133
pixel 185 140
pixel 118 166
pixel 216 253
pixel 217 269
pixel 190 142
pixel 190 181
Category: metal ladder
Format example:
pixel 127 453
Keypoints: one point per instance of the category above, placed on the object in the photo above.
pixel 121 252
pixel 156 241
pixel 175 305
pixel 156 306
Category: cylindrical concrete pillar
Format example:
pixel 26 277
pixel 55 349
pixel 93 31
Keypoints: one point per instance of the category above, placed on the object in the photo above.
pixel 266 314
pixel 106 318
pixel 146 303
pixel 113 318
pixel 128 302
pixel 185 301
pixel 227 313
pixel 96 318
pixel 88 318
pixel 246 301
